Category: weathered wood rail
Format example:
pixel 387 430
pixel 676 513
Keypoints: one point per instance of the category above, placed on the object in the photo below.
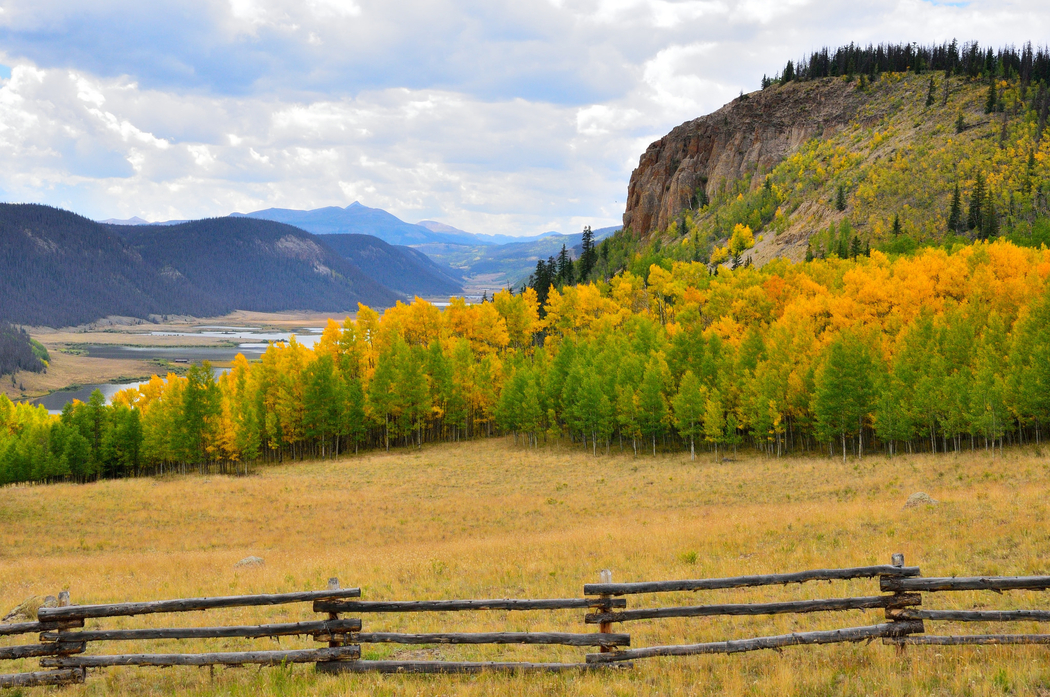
pixel 62 648
pixel 996 584
pixel 64 638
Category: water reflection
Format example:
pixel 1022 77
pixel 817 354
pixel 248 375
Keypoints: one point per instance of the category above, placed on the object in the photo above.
pixel 56 401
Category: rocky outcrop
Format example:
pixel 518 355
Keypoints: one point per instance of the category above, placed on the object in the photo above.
pixel 753 133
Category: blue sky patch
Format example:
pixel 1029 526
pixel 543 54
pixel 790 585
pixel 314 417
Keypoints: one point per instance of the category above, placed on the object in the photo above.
pixel 5 72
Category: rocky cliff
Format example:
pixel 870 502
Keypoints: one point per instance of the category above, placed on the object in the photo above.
pixel 753 133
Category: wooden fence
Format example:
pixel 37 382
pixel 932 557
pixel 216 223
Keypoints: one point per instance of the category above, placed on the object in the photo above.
pixel 64 640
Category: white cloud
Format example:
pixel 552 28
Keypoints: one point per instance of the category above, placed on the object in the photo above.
pixel 510 116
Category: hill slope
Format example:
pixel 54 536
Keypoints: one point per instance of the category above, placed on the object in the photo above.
pixel 402 269
pixel 822 165
pixel 59 269
pixel 256 265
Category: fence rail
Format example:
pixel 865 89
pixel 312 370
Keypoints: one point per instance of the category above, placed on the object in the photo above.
pixel 749 581
pixel 974 583
pixel 249 632
pixel 835 636
pixel 188 604
pixel 365 606
pixel 64 640
pixel 792 607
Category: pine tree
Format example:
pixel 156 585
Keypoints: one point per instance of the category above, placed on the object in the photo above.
pixel 564 267
pixel 955 212
pixel 989 220
pixel 973 217
pixel 990 102
pixel 854 248
pixel 589 256
pixel 809 251
pixel 930 95
pixel 541 281
pixel 960 124
pixel 700 198
pixel 840 198
pixel 897 225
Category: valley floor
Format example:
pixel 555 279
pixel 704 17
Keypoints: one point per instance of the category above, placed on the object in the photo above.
pixel 69 367
pixel 491 519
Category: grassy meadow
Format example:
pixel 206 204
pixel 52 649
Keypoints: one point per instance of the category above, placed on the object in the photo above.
pixel 492 519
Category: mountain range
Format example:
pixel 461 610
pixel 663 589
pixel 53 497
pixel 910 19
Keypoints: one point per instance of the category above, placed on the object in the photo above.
pixel 502 259
pixel 60 269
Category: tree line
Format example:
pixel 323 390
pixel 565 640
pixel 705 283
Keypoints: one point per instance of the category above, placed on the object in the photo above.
pixel 933 352
pixel 19 352
pixel 970 59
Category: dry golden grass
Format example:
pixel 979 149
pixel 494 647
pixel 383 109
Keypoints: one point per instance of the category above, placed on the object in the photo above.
pixel 488 519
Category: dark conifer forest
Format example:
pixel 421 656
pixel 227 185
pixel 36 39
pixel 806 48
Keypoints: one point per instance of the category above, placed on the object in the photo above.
pixel 61 269
pixel 1030 65
pixel 19 352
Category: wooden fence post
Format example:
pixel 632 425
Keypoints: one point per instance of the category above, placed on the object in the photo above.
pixel 63 601
pixel 605 576
pixel 333 585
pixel 897 559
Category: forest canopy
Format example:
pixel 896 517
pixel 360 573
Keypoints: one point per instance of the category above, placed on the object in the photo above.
pixel 938 351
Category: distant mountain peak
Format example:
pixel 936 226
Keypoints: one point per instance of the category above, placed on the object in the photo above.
pixel 135 220
pixel 435 226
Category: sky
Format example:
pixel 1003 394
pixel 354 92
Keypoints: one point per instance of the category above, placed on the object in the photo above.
pixel 495 116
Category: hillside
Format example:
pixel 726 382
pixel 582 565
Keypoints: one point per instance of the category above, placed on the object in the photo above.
pixel 818 163
pixel 402 269
pixel 60 269
pixel 256 265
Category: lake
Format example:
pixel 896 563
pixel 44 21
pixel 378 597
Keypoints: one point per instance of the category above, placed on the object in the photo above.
pixel 251 341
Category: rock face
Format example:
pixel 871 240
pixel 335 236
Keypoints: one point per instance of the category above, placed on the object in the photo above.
pixel 753 133
pixel 26 610
pixel 920 498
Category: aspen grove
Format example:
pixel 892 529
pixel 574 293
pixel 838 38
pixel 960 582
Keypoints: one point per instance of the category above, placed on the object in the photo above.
pixel 939 351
